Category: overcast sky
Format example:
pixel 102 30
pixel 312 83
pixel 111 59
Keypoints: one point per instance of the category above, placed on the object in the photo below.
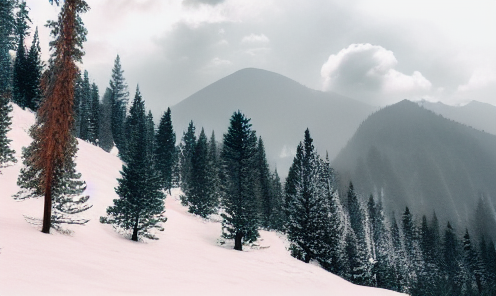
pixel 376 51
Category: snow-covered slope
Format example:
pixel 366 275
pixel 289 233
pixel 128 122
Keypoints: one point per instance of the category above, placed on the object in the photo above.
pixel 95 260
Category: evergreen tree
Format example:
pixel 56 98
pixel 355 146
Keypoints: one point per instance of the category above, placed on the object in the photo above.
pixel 6 153
pixel 119 104
pixel 94 115
pixel 85 108
pixel 399 258
pixel 165 150
pixel 140 206
pixel 451 263
pixel 150 136
pixel 266 199
pixel 105 140
pixel 240 219
pixel 56 113
pixel 214 164
pixel 362 273
pixel 7 42
pixel 188 145
pixel 34 69
pixel 277 219
pixel 469 259
pixel 334 257
pixel 20 74
pixel 202 199
pixel 307 205
pixel 68 197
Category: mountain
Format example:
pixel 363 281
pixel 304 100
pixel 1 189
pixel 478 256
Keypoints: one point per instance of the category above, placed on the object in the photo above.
pixel 481 116
pixel 280 110
pixel 95 260
pixel 424 161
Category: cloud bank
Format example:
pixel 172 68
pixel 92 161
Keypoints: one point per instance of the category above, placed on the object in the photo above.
pixel 366 71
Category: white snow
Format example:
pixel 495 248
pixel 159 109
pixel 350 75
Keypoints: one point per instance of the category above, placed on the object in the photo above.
pixel 95 260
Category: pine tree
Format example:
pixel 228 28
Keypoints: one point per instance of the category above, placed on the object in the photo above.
pixel 85 108
pixel 119 104
pixel 202 199
pixel 6 153
pixel 266 199
pixel 34 69
pixel 165 150
pixel 214 167
pixel 307 205
pixel 277 217
pixel 362 273
pixel 7 42
pixel 55 115
pixel 469 259
pixel 150 134
pixel 451 262
pixel 67 189
pixel 94 115
pixel 240 217
pixel 105 140
pixel 187 148
pixel 20 74
pixel 140 206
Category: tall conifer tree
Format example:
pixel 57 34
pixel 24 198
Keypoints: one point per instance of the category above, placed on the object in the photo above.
pixel 165 150
pixel 240 218
pixel 20 75
pixel 7 42
pixel 105 140
pixel 140 206
pixel 119 104
pixel 56 113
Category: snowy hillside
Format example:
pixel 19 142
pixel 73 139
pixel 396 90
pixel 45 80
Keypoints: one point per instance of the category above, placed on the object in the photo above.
pixel 95 260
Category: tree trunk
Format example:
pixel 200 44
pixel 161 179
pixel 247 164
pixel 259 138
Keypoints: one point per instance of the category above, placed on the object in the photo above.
pixel 47 211
pixel 237 241
pixel 135 230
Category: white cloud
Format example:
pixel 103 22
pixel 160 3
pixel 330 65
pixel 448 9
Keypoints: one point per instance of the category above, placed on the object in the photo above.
pixel 253 38
pixel 369 70
pixel 480 78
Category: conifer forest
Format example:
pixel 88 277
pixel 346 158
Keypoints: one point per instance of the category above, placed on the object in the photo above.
pixel 325 216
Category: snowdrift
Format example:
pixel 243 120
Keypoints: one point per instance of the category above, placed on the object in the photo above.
pixel 95 260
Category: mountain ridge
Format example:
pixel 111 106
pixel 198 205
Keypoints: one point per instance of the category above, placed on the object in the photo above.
pixel 422 160
pixel 280 108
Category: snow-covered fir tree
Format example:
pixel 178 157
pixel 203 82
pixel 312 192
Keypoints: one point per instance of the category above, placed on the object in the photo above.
pixel 94 115
pixel 188 144
pixel 85 107
pixel 202 199
pixel 7 42
pixel 361 266
pixel 240 213
pixel 165 150
pixel 34 70
pixel 266 198
pixel 20 71
pixel 307 206
pixel 140 206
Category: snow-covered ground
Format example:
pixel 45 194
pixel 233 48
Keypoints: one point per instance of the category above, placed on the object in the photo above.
pixel 95 260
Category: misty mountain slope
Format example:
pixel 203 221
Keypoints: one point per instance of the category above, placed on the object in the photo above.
pixel 95 260
pixel 481 116
pixel 280 110
pixel 423 161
